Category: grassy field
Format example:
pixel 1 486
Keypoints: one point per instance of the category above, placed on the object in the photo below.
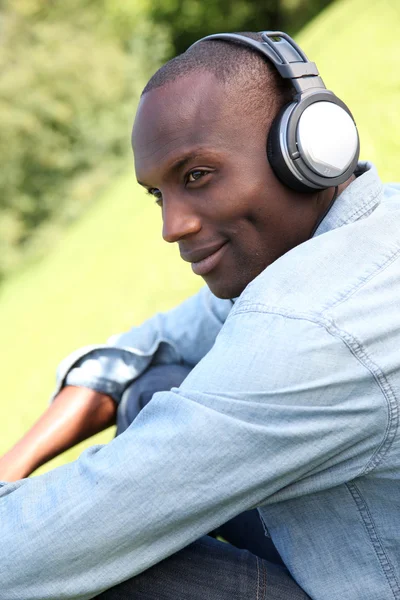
pixel 111 269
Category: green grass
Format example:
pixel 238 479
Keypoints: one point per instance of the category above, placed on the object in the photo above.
pixel 111 270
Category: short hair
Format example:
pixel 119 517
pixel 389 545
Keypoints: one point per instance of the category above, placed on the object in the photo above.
pixel 240 67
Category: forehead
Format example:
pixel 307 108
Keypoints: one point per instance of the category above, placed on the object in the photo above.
pixel 191 112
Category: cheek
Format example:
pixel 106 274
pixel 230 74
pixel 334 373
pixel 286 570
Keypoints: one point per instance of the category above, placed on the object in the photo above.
pixel 248 193
pixel 242 195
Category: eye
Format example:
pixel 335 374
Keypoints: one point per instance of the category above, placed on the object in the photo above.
pixel 156 194
pixel 196 175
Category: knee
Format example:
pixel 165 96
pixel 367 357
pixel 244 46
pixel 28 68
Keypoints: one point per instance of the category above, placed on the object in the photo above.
pixel 155 379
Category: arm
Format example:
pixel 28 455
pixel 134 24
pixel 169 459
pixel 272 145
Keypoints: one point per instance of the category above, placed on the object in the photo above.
pixel 75 415
pixel 96 378
pixel 248 426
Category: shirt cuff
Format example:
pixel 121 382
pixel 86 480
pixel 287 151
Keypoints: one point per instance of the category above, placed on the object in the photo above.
pixel 78 378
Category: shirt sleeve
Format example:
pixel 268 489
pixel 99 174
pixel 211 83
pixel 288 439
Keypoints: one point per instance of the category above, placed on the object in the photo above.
pixel 277 403
pixel 182 335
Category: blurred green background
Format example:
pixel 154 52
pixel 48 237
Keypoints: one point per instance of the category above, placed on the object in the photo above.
pixel 81 256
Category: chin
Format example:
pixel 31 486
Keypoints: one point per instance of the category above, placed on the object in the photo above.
pixel 225 290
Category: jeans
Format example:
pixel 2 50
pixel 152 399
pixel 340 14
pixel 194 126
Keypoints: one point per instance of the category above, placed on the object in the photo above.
pixel 246 567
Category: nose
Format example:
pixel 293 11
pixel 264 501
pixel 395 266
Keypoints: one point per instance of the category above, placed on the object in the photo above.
pixel 179 220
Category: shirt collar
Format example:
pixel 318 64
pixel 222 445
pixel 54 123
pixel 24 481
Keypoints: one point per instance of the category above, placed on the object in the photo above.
pixel 358 200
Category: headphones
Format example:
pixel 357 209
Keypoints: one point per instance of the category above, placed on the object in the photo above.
pixel 313 142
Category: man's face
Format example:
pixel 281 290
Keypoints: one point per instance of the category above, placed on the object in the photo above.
pixel 205 162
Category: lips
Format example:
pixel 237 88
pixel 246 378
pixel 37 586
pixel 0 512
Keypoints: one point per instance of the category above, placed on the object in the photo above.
pixel 194 256
pixel 206 259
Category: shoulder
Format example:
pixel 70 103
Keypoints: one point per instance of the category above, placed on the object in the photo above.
pixel 327 269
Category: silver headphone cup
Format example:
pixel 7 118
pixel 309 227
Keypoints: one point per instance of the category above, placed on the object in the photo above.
pixel 327 138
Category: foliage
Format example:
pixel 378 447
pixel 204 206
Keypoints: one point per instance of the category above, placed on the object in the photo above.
pixel 71 75
pixel 190 20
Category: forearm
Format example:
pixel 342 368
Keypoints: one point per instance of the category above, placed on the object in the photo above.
pixel 75 415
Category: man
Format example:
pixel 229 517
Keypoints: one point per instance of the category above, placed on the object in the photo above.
pixel 291 405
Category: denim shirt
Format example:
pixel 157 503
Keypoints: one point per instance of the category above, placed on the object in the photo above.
pixel 292 406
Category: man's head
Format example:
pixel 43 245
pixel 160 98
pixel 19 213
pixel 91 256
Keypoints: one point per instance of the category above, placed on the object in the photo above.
pixel 199 140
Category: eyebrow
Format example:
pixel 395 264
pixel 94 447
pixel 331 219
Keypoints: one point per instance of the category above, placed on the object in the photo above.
pixel 179 163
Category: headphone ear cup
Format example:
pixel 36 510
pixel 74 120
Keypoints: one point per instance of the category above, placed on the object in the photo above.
pixel 276 160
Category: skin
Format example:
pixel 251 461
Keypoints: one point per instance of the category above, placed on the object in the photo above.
pixel 75 415
pixel 204 160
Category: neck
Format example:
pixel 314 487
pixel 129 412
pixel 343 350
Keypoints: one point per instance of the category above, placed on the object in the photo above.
pixel 326 199
pixel 344 185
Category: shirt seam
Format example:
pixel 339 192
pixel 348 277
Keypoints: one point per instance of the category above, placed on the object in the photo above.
pixel 368 278
pixel 360 354
pixel 368 205
pixel 376 542
pixel 361 211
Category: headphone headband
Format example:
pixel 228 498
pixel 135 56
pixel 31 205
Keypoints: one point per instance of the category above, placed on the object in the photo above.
pixel 288 58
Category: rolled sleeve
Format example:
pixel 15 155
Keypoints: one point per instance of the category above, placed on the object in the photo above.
pixel 182 335
pixel 108 370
